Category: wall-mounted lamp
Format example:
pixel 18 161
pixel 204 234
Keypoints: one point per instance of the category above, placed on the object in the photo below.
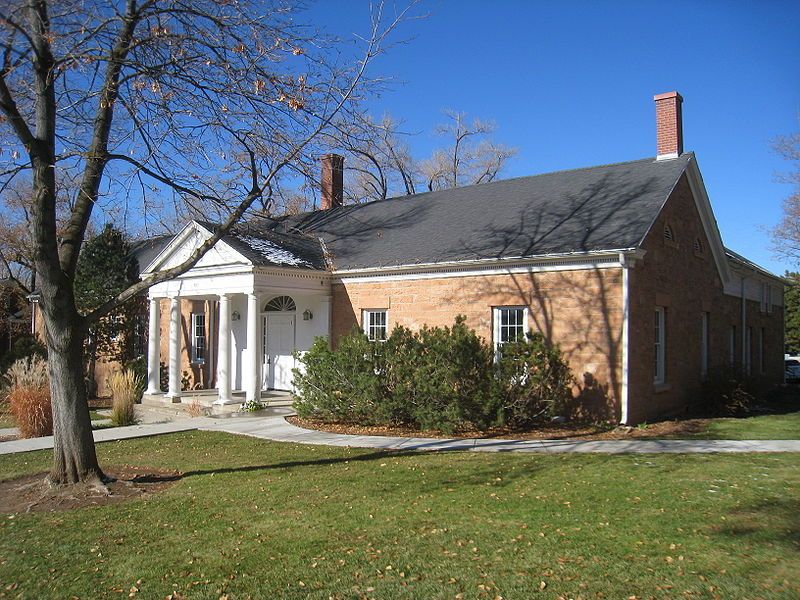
pixel 235 316
pixel 307 315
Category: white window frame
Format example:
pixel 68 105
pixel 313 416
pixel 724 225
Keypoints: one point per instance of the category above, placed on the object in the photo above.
pixel 369 326
pixel 497 320
pixel 769 298
pixel 748 350
pixel 704 319
pixel 659 346
pixel 195 317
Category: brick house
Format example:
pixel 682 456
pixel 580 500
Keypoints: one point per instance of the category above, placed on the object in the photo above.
pixel 622 265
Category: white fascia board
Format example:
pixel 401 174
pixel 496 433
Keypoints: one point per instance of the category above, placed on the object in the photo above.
pixel 709 222
pixel 176 241
pixel 505 266
pixel 180 238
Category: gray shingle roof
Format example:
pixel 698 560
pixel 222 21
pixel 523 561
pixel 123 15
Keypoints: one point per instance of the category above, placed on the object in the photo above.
pixel 265 247
pixel 608 207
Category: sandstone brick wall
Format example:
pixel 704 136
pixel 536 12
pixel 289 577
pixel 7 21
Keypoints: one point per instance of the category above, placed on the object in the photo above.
pixel 194 376
pixel 682 277
pixel 580 310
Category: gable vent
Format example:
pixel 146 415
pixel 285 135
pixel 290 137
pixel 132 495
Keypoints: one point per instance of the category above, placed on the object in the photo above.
pixel 669 235
pixel 698 246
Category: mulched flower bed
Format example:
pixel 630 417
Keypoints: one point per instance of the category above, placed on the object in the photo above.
pixel 548 431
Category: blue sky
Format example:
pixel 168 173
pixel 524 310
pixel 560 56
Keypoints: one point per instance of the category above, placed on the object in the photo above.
pixel 571 84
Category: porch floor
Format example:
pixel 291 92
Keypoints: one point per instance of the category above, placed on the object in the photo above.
pixel 204 401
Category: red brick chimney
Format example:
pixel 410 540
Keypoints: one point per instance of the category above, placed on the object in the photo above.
pixel 332 181
pixel 669 125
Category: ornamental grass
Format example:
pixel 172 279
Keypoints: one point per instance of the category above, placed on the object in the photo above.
pixel 126 389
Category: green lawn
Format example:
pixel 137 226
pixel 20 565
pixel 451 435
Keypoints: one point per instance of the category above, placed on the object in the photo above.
pixel 255 519
pixel 767 427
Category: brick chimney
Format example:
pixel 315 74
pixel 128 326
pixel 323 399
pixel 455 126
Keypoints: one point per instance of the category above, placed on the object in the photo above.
pixel 332 181
pixel 669 125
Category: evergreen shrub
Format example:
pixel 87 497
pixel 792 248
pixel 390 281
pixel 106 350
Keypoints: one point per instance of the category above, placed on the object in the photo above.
pixel 442 378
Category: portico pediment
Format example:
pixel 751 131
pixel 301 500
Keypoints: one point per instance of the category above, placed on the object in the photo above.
pixel 186 242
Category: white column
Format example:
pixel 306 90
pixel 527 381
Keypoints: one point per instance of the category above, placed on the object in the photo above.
pixel 175 349
pixel 224 351
pixel 254 356
pixel 154 348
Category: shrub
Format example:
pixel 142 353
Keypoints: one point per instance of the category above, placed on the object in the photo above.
pixel 342 384
pixel 139 368
pixel 533 381
pixel 25 346
pixel 438 378
pixel 28 397
pixel 125 389
pixel 726 391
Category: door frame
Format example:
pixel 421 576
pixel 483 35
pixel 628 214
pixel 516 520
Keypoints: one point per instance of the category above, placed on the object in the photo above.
pixel 268 382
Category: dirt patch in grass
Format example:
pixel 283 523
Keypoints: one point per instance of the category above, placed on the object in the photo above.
pixel 546 431
pixel 31 493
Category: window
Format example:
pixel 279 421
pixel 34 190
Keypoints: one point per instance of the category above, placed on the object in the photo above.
pixel 510 324
pixel 748 357
pixel 140 333
pixel 762 363
pixel 281 304
pixel 732 346
pixel 198 337
pixel 375 323
pixel 704 344
pixel 769 298
pixel 659 373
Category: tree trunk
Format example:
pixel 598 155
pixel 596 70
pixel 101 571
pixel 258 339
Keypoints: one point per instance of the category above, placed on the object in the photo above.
pixel 74 457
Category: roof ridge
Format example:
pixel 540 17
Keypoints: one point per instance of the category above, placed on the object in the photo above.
pixel 688 155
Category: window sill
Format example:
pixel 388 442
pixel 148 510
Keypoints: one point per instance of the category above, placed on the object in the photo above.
pixel 661 387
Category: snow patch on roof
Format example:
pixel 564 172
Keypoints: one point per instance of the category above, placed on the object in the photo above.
pixel 274 253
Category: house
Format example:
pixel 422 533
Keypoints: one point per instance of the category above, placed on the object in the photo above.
pixel 622 265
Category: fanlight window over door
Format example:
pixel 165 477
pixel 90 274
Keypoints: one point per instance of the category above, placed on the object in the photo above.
pixel 281 304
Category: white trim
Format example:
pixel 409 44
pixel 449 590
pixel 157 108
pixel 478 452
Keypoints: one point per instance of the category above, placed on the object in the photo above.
pixel 707 219
pixel 474 268
pixel 365 324
pixel 626 315
pixel 667 156
pixel 705 317
pixel 178 241
pixel 496 343
pixel 193 354
pixel 660 375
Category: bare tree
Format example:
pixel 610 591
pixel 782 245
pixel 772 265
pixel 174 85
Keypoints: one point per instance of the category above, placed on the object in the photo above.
pixel 470 157
pixel 208 100
pixel 786 235
pixel 380 163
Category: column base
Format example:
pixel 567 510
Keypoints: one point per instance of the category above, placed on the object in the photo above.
pixel 223 401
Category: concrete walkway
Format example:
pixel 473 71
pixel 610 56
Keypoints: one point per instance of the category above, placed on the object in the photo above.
pixel 274 427
pixel 277 429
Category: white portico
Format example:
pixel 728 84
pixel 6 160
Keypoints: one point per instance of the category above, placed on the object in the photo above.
pixel 237 317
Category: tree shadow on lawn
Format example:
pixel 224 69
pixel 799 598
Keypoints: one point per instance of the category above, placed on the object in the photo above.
pixel 773 520
pixel 474 474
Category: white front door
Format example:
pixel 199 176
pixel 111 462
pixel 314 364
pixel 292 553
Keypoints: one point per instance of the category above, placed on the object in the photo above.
pixel 279 347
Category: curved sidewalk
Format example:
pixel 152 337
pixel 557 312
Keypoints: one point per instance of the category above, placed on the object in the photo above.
pixel 276 428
